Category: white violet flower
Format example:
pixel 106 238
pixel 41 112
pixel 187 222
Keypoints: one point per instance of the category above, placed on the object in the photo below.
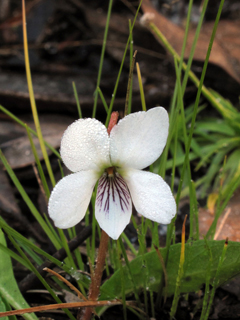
pixel 115 161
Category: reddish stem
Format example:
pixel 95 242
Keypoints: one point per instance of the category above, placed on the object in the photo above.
pixel 96 279
pixel 102 252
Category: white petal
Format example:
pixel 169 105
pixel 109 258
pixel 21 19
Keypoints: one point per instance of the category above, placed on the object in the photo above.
pixel 70 198
pixel 85 145
pixel 113 207
pixel 151 195
pixel 139 138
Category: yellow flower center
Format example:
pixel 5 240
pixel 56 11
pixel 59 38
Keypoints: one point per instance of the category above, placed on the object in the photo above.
pixel 110 171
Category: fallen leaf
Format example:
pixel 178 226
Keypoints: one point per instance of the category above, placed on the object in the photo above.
pixel 8 202
pixel 18 151
pixel 226 47
pixel 10 210
pixel 230 228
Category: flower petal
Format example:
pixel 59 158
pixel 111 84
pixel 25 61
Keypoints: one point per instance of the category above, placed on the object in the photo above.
pixel 70 198
pixel 139 138
pixel 85 145
pixel 151 195
pixel 113 207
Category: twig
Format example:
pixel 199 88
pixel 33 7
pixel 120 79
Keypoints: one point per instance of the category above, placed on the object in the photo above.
pixel 40 182
pixel 65 305
pixel 71 286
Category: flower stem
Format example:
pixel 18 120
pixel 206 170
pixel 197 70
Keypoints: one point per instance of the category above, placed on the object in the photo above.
pixel 93 293
pixel 97 277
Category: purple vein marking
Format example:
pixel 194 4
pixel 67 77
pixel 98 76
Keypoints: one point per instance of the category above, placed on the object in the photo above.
pixel 115 188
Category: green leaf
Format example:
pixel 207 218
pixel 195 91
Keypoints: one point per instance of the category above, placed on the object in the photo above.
pixel 8 286
pixel 6 307
pixel 196 260
pixel 229 112
pixel 223 143
pixel 3 308
pixel 214 125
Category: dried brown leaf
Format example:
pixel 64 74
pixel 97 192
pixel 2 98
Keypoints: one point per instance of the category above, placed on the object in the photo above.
pixel 226 47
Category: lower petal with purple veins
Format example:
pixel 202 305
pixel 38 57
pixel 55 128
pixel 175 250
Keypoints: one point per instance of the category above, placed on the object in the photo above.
pixel 113 206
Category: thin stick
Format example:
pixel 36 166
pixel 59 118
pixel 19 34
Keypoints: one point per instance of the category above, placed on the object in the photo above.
pixel 72 287
pixel 40 182
pixel 65 305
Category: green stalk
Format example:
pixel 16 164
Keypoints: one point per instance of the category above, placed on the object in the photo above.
pixel 152 305
pixel 129 244
pixel 186 34
pixel 33 269
pixel 129 270
pixel 40 169
pixel 88 240
pixel 54 232
pixel 194 226
pixel 130 63
pixel 216 279
pixel 155 235
pixel 78 254
pixel 174 156
pixel 121 67
pixel 184 123
pixel 14 256
pixel 122 280
pixel 32 99
pixel 200 90
pixel 94 223
pixel 22 239
pixel 208 277
pixel 103 99
pixel 199 83
pixel 77 100
pixel 129 83
pixel 28 202
pixel 193 47
pixel 172 121
pixel 141 88
pixel 102 57
pixel 180 274
pixel 64 243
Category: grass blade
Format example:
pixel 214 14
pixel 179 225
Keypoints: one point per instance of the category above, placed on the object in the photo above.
pixel 32 99
pixel 28 201
pixel 8 285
